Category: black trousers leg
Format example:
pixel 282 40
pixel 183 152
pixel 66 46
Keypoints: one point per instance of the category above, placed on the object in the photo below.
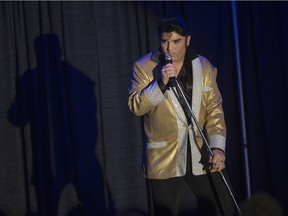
pixel 212 194
pixel 164 194
pixel 213 198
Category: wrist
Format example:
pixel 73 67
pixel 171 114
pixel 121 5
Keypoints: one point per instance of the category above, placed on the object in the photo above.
pixel 212 149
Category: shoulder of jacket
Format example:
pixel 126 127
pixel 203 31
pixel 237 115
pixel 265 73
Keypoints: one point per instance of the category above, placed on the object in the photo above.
pixel 206 64
pixel 144 59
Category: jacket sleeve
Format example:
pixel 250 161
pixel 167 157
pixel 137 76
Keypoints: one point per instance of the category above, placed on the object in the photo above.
pixel 214 118
pixel 144 91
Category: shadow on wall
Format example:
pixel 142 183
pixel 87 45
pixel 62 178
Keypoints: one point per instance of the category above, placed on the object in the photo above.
pixel 261 204
pixel 59 104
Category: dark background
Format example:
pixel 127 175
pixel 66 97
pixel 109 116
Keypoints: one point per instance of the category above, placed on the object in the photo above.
pixel 69 144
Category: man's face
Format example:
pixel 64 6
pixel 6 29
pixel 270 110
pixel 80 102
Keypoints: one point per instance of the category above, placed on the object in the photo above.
pixel 175 45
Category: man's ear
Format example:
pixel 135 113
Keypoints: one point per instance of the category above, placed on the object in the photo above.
pixel 188 38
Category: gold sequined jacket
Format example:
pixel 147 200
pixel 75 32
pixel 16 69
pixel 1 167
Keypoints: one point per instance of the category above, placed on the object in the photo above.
pixel 165 124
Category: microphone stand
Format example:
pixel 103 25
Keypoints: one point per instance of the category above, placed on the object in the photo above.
pixel 175 83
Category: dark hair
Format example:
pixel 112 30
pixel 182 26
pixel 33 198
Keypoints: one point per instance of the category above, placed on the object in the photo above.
pixel 176 24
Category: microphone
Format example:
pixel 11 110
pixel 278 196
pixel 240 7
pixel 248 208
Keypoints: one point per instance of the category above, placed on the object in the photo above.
pixel 168 60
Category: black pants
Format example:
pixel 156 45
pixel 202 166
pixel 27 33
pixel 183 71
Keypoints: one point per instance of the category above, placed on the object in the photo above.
pixel 213 198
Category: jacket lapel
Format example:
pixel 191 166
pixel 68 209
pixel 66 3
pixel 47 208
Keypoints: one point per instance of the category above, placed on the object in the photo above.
pixel 197 87
pixel 196 93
